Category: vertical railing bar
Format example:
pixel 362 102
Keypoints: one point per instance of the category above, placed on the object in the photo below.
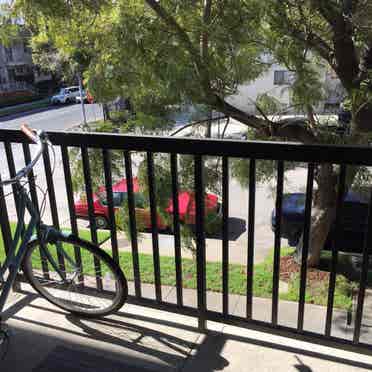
pixel 35 201
pixel 52 202
pixel 92 221
pixel 132 223
pixel 154 224
pixel 305 246
pixel 251 225
pixel 107 159
pixel 363 275
pixel 200 240
pixel 12 171
pixel 225 236
pixel 4 221
pixel 71 206
pixel 278 222
pixel 176 229
pixel 332 278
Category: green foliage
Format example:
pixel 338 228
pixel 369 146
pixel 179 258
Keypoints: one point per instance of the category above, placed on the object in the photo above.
pixel 163 54
pixel 96 163
pixel 268 104
pixel 9 29
pixel 266 170
pixel 142 123
pixel 50 59
pixel 162 58
pixel 123 221
pixel 163 194
pixel 114 41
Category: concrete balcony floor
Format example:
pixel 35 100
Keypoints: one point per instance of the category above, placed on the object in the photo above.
pixel 139 339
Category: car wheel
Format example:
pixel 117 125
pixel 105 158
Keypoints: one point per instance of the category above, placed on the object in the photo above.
pixel 101 222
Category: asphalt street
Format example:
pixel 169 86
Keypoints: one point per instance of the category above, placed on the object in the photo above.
pixel 53 117
pixel 64 118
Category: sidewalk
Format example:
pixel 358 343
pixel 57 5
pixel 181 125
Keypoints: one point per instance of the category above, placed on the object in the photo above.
pixel 139 339
pixel 237 249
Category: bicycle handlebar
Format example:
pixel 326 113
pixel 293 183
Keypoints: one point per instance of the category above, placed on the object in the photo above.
pixel 30 133
pixel 41 140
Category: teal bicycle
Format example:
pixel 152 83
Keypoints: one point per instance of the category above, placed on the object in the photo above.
pixel 71 273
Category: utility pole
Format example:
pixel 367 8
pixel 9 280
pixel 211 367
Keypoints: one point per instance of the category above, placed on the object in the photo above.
pixel 82 100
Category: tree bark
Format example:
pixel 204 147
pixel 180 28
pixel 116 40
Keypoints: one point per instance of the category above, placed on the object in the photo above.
pixel 363 118
pixel 322 214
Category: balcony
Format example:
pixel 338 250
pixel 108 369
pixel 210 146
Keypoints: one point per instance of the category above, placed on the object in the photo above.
pixel 176 327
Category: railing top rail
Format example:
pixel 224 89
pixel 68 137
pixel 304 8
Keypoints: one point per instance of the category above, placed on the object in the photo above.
pixel 287 151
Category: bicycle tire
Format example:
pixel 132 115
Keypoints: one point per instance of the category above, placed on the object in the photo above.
pixel 46 289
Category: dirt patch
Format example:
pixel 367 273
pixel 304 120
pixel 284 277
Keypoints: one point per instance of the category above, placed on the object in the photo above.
pixel 289 268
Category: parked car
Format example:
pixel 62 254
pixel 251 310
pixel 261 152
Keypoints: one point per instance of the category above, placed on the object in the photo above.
pixel 350 234
pixel 186 201
pixel 66 95
pixel 87 97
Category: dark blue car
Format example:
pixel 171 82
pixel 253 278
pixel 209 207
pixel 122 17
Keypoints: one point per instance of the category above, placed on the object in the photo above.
pixel 350 234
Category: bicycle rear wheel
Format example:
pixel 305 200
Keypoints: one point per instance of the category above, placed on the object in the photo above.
pixel 92 286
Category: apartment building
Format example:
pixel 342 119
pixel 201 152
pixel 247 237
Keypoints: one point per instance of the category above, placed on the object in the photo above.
pixel 17 71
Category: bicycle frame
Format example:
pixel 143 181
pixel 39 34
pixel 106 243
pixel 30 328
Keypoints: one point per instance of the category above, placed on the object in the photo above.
pixel 22 237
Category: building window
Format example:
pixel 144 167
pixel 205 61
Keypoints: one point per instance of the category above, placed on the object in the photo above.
pixel 9 54
pixel 282 77
pixel 26 48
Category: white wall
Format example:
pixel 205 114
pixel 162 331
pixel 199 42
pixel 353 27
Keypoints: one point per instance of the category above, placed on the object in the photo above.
pixel 247 93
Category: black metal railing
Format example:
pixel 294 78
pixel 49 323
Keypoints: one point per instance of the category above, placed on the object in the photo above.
pixel 312 155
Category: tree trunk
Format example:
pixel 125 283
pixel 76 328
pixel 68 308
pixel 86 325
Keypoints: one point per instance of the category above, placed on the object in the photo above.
pixel 106 112
pixel 321 221
pixel 322 214
pixel 363 119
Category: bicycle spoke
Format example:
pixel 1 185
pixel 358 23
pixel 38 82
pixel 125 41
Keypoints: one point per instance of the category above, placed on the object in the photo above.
pixel 67 290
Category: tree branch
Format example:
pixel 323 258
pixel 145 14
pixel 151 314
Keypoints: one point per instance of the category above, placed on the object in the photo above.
pixel 365 65
pixel 250 120
pixel 205 33
pixel 345 54
pixel 294 129
pixel 318 44
pixel 185 40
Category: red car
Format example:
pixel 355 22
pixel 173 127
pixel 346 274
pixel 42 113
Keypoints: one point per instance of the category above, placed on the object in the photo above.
pixel 186 201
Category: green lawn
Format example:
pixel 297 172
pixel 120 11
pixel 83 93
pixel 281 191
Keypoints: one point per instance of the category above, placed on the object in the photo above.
pixel 83 234
pixel 24 107
pixel 262 284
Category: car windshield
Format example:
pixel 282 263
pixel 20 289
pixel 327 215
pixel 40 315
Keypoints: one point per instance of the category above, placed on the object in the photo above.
pixel 62 91
pixel 121 197
pixel 117 196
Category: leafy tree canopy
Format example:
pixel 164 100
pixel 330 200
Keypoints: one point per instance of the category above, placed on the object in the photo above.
pixel 163 53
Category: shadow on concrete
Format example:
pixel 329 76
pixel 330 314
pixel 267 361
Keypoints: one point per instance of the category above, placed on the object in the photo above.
pixel 237 227
pixel 34 341
pixel 301 367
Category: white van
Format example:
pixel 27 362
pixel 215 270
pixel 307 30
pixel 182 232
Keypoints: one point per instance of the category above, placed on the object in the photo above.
pixel 66 95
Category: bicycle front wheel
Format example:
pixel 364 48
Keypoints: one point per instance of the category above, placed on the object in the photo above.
pixel 90 283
